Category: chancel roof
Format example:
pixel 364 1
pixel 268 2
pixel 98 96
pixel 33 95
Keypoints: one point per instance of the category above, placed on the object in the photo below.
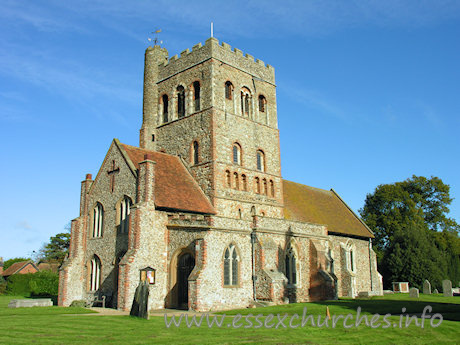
pixel 313 205
pixel 175 188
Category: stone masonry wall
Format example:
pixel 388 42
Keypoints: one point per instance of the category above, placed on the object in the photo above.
pixel 352 282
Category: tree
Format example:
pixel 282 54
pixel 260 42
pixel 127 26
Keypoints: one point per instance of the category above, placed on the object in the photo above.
pixel 57 248
pixel 432 197
pixel 414 238
pixel 9 262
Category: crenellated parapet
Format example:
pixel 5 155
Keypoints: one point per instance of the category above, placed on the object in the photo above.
pixel 222 52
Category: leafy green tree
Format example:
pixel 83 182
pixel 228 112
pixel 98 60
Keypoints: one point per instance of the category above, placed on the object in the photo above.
pixel 9 262
pixel 433 198
pixel 414 238
pixel 57 248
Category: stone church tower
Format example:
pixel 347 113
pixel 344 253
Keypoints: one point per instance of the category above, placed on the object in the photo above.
pixel 200 209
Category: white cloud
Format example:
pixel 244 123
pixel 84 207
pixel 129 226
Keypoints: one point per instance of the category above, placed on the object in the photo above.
pixel 23 225
pixel 315 100
pixel 231 18
pixel 255 18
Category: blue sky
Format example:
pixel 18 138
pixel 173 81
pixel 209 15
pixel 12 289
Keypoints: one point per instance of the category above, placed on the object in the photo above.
pixel 368 93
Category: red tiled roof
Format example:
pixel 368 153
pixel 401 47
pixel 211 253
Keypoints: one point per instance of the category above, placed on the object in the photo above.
pixel 175 188
pixel 16 267
pixel 314 205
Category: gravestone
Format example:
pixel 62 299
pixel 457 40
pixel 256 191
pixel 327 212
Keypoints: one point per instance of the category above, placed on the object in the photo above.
pixel 427 287
pixel 141 301
pixel 447 288
pixel 413 293
pixel 436 291
pixel 20 303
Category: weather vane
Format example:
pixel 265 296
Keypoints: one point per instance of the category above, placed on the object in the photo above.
pixel 155 40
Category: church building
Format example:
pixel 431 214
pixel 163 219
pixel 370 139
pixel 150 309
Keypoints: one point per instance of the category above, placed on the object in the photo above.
pixel 200 209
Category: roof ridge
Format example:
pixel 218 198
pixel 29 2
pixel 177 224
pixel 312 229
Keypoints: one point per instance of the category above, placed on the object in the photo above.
pixel 305 185
pixel 351 210
pixel 147 150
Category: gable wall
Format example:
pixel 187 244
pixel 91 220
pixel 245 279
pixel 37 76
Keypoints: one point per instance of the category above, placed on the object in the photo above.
pixel 111 244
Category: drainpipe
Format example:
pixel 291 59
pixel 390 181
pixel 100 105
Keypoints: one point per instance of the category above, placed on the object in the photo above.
pixel 253 245
pixel 370 263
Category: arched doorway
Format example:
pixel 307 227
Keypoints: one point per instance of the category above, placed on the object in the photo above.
pixel 185 265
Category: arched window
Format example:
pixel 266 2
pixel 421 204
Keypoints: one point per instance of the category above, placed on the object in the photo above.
pixel 245 102
pixel 228 179
pixel 240 214
pixel 231 261
pixel 265 186
pixel 165 101
pixel 244 182
pixel 196 94
pixel 125 209
pixel 237 181
pixel 257 185
pixel 352 263
pixel 180 101
pixel 260 161
pixel 228 90
pixel 95 273
pixel 98 220
pixel 272 188
pixel 195 153
pixel 290 261
pixel 236 154
pixel 349 254
pixel 262 103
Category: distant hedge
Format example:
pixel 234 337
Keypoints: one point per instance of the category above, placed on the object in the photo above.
pixel 2 285
pixel 44 283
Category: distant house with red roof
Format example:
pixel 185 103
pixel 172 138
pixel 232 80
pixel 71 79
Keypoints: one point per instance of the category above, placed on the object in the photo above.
pixel 22 267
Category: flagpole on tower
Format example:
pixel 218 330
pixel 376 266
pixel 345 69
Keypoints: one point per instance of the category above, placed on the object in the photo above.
pixel 212 29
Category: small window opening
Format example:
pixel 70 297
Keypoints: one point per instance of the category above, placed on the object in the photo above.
pixel 180 101
pixel 236 154
pixel 262 102
pixel 245 183
pixel 228 179
pixel 237 181
pixel 196 88
pixel 195 152
pixel 165 108
pixel 228 90
pixel 257 185
pixel 260 161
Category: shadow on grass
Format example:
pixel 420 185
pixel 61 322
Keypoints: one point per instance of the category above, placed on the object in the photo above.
pixel 53 298
pixel 449 308
pixel 449 311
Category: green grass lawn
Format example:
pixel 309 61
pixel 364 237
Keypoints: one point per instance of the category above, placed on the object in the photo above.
pixel 51 325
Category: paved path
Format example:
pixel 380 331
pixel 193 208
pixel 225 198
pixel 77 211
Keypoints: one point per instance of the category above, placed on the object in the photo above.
pixel 108 311
pixel 175 312
pixel 103 312
pixel 157 312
